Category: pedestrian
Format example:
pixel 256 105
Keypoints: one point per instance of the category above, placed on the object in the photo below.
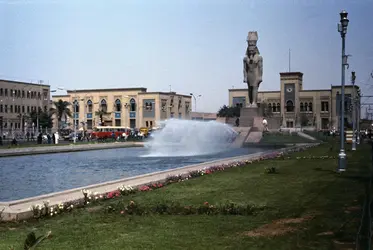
pixel 237 122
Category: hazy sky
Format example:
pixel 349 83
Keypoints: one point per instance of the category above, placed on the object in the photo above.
pixel 194 46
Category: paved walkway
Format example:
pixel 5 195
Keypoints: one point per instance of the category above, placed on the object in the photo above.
pixel 20 209
pixel 65 148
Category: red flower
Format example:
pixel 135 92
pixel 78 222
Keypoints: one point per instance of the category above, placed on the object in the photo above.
pixel 206 203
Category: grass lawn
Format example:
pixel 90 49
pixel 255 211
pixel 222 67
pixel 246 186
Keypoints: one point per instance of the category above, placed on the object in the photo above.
pixel 282 138
pixel 305 189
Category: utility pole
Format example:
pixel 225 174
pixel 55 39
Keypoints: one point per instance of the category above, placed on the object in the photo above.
pixel 353 77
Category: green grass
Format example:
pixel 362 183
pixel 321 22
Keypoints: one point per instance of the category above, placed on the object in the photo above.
pixel 283 138
pixel 302 186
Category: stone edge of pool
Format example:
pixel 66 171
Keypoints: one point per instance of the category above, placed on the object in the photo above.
pixel 20 209
pixel 66 148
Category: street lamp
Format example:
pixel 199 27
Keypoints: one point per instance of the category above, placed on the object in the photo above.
pixel 353 77
pixel 195 101
pixel 342 29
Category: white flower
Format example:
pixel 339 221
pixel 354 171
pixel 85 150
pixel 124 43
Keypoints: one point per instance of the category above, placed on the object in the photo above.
pixel 87 202
pixel 101 196
pixel 72 206
pixel 55 212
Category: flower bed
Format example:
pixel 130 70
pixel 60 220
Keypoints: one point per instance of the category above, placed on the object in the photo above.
pixel 89 197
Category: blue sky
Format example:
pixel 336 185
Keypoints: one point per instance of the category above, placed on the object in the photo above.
pixel 194 46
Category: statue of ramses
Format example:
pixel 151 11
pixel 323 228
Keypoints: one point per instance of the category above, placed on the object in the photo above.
pixel 252 68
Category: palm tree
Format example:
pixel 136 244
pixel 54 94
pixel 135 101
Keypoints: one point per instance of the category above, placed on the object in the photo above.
pixel 101 113
pixel 61 108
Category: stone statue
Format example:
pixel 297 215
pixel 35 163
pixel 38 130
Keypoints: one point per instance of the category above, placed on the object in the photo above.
pixel 252 68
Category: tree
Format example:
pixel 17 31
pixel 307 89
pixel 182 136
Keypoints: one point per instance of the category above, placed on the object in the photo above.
pixel 45 118
pixel 304 120
pixel 227 111
pixel 61 109
pixel 101 113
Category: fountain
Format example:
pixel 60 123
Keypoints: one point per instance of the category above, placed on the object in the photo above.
pixel 190 138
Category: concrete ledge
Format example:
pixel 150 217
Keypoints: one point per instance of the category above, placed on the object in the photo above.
pixel 66 148
pixel 20 209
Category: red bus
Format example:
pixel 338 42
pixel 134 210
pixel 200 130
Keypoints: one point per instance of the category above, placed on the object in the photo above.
pixel 102 132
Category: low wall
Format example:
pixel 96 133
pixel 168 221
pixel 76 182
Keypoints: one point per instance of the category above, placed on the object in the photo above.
pixel 20 209
pixel 66 148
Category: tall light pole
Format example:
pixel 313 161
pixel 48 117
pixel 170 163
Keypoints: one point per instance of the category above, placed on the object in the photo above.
pixel 358 118
pixel 195 101
pixel 353 78
pixel 342 29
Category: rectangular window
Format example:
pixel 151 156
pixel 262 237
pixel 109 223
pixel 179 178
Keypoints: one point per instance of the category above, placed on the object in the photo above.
pixel 324 106
pixel 1 108
pixel 23 94
pixel 11 108
pixel 117 122
pixel 89 124
pixel 1 92
pixel 6 108
pixel 28 109
pixel 6 92
pixel 23 109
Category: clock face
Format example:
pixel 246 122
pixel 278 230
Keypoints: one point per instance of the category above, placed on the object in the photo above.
pixel 289 90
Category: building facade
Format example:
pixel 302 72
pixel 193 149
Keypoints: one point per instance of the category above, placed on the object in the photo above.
pixel 292 106
pixel 17 100
pixel 203 116
pixel 127 107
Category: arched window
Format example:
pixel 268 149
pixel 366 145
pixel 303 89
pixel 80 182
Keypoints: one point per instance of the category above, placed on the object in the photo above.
pixel 305 106
pixel 103 105
pixel 76 106
pixel 89 106
pixel 269 107
pixel 310 106
pixel 289 106
pixel 118 106
pixel 274 107
pixel 133 105
pixel 278 107
pixel 301 107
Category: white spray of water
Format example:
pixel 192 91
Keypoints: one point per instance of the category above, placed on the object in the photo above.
pixel 188 138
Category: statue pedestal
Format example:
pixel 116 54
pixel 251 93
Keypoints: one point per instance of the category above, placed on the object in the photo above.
pixel 247 116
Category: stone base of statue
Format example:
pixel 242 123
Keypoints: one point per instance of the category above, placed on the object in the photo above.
pixel 248 115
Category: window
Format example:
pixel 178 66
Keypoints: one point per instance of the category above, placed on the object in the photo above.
pixel 305 106
pixel 76 106
pixel 269 106
pixel 274 108
pixel 1 92
pixel 325 106
pixel 289 106
pixel 148 106
pixel 39 95
pixel 89 124
pixel 11 93
pixel 310 106
pixel 6 92
pixel 103 105
pixel 23 109
pixel 118 106
pixel 23 94
pixel 90 106
pixel 301 107
pixel 19 93
pixel 28 94
pixel 1 108
pixel 11 108
pixel 117 122
pixel 278 107
pixel 28 109
pixel 133 105
pixel 146 124
pixel 151 124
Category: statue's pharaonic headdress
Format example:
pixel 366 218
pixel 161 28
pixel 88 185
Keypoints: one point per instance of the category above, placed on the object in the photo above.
pixel 252 36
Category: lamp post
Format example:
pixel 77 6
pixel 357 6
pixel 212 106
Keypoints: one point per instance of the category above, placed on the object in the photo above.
pixel 342 29
pixel 195 101
pixel 353 77
pixel 358 118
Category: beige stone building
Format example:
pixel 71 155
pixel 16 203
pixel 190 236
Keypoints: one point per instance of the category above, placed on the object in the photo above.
pixel 18 99
pixel 128 107
pixel 292 104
